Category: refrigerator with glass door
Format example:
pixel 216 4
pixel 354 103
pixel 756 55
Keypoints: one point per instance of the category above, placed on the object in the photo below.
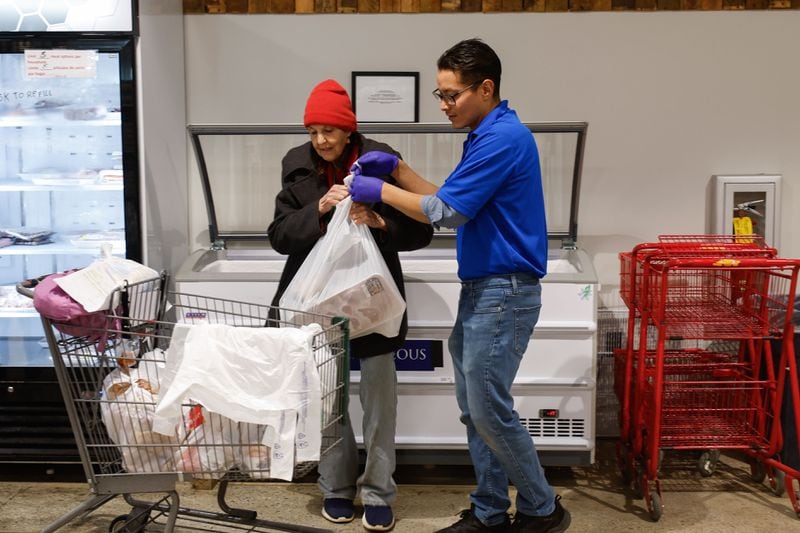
pixel 69 181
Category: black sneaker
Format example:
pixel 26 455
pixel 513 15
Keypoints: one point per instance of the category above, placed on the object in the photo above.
pixel 555 522
pixel 338 510
pixel 469 523
pixel 378 518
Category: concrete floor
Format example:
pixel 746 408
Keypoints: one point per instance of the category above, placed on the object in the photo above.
pixel 429 499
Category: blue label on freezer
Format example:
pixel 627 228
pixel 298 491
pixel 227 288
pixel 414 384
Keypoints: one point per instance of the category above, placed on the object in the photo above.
pixel 414 355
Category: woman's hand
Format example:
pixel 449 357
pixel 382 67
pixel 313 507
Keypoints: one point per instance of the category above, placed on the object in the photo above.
pixel 361 214
pixel 335 194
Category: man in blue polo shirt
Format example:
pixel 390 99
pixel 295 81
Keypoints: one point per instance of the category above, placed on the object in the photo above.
pixel 494 198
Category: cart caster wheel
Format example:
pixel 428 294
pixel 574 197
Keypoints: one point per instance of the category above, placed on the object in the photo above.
pixel 656 508
pixel 707 462
pixel 758 472
pixel 778 483
pixel 117 523
pixel 121 525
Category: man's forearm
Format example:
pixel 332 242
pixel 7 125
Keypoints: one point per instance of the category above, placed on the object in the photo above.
pixel 409 203
pixel 413 182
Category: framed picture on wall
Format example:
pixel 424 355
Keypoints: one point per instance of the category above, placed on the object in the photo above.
pixel 385 96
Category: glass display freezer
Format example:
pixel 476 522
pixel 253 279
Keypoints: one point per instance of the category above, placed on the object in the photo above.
pixel 69 181
pixel 240 166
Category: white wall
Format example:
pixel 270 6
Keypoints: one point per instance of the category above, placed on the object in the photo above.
pixel 162 129
pixel 671 98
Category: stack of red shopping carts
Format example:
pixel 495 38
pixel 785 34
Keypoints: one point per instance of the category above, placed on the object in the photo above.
pixel 698 371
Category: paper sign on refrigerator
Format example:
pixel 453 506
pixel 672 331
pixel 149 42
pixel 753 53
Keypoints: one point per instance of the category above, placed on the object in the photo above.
pixel 60 64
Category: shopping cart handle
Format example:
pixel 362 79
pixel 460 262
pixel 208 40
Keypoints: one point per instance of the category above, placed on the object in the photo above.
pixel 25 287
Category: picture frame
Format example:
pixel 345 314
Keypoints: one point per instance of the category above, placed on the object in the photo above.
pixel 385 96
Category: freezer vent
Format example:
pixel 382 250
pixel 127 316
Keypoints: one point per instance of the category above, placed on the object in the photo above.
pixel 554 427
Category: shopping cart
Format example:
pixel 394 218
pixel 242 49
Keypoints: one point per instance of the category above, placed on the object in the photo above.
pixel 110 377
pixel 679 389
pixel 641 334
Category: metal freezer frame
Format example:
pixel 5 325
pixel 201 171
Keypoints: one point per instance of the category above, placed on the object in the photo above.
pixel 220 236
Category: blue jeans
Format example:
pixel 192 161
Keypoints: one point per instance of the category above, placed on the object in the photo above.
pixel 338 469
pixel 496 316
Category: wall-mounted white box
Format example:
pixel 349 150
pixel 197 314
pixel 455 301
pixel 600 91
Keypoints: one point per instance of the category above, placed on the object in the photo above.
pixel 743 201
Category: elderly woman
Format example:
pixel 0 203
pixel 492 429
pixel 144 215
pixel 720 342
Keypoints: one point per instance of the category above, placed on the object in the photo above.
pixel 312 177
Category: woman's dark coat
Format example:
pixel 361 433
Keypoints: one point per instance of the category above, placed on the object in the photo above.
pixel 297 226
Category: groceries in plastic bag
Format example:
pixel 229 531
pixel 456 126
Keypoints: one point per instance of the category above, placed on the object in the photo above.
pixel 129 396
pixel 211 445
pixel 207 443
pixel 262 376
pixel 253 458
pixel 345 275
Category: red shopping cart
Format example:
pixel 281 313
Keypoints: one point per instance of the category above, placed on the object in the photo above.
pixel 641 334
pixel 676 395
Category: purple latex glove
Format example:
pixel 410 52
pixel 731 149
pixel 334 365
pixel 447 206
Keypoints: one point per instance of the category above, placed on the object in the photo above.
pixel 375 164
pixel 366 189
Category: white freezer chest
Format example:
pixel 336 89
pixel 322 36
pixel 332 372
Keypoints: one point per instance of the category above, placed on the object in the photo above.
pixel 555 388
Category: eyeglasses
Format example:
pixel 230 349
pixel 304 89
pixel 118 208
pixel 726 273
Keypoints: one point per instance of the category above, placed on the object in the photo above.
pixel 450 99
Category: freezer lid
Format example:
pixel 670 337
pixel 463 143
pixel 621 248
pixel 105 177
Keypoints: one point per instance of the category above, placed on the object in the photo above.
pixel 240 170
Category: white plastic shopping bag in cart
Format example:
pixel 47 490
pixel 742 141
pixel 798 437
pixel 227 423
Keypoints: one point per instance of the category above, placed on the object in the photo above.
pixel 264 376
pixel 94 285
pixel 345 275
pixel 211 445
pixel 208 443
pixel 128 400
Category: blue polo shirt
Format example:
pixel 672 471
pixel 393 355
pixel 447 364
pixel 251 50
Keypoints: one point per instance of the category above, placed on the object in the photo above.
pixel 498 186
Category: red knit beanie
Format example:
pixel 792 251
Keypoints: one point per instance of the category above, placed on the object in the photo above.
pixel 329 105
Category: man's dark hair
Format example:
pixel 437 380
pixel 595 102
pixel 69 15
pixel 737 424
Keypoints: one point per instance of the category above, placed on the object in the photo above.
pixel 474 61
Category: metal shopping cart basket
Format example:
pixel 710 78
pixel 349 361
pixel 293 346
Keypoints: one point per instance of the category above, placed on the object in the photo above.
pixel 677 396
pixel 110 375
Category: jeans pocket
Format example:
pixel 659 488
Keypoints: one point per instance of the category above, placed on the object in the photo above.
pixel 525 319
pixel 488 300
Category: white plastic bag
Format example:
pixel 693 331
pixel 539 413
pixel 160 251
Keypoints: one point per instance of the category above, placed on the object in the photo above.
pixel 94 285
pixel 128 401
pixel 264 376
pixel 345 275
pixel 208 443
pixel 253 457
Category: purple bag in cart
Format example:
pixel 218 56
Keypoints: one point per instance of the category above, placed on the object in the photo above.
pixel 69 316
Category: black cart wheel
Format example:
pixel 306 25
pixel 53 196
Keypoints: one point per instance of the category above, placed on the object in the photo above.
pixel 121 524
pixel 778 482
pixel 707 462
pixel 656 508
